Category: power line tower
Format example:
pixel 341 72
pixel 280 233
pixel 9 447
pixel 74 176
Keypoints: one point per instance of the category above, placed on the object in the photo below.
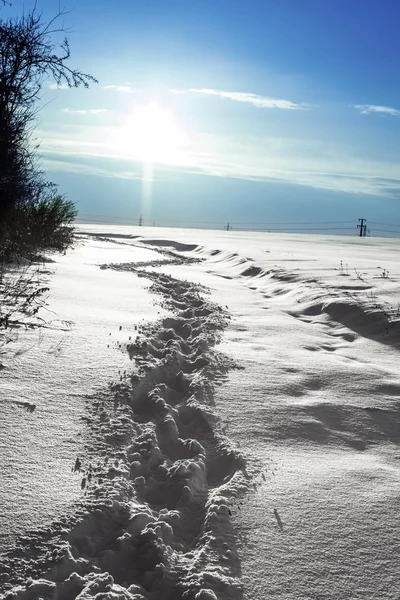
pixel 362 227
pixel 140 221
pixel 228 227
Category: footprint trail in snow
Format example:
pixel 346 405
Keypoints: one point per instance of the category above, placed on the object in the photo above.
pixel 155 523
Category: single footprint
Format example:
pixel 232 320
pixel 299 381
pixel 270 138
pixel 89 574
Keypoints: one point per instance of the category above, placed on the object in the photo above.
pixel 278 519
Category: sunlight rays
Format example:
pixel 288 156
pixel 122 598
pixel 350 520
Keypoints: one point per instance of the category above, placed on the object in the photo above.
pixel 150 134
pixel 147 184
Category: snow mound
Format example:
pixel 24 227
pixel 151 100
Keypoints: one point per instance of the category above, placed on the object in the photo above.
pixel 170 244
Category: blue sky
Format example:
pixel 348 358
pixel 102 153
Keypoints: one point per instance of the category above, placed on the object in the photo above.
pixel 247 111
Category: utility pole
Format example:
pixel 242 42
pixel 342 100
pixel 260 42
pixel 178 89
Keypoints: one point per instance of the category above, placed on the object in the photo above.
pixel 140 221
pixel 362 227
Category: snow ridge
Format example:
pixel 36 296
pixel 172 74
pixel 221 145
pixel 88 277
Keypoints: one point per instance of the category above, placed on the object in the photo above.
pixel 157 523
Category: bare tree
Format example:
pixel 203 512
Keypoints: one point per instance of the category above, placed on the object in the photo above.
pixel 29 55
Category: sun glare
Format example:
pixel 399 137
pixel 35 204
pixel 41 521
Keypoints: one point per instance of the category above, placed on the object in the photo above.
pixel 151 134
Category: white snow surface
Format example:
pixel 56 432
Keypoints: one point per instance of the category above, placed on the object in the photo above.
pixel 238 431
pixel 48 373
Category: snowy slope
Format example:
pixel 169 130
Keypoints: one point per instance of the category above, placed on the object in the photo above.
pixel 294 356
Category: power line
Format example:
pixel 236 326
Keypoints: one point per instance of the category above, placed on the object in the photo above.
pixel 297 223
pixel 85 216
pixel 272 227
pixel 301 229
pixel 238 227
pixel 384 224
pixel 387 231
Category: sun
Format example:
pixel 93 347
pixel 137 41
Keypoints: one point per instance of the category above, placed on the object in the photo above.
pixel 151 134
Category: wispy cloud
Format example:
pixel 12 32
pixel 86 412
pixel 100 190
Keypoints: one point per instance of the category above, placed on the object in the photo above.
pixel 87 163
pixel 368 109
pixel 320 164
pixel 94 159
pixel 61 86
pixel 248 98
pixel 126 89
pixel 89 111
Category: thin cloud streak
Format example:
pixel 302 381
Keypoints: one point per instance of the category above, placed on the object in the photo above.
pixel 126 89
pixel 56 86
pixel 74 156
pixel 247 98
pixel 90 111
pixel 369 109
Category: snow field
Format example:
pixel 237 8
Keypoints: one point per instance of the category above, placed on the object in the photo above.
pixel 315 411
pixel 158 508
pixel 47 376
pixel 306 384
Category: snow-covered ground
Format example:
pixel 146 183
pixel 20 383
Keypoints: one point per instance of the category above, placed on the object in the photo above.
pixel 233 402
pixel 50 371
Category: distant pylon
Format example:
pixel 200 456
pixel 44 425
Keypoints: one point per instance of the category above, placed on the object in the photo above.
pixel 140 221
pixel 228 227
pixel 362 227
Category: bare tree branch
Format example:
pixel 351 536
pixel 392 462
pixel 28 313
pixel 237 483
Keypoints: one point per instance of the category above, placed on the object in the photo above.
pixel 29 56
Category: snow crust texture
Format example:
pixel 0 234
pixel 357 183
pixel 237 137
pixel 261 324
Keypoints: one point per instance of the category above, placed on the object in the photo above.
pixel 305 381
pixel 155 522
